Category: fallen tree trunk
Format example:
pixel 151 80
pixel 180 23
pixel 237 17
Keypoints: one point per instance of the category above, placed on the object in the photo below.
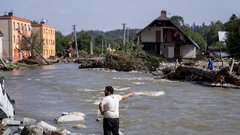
pixel 114 61
pixel 228 77
pixel 197 74
pixel 89 63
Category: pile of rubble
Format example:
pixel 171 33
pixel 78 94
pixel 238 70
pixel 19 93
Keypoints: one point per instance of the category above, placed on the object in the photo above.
pixel 225 72
pixel 30 126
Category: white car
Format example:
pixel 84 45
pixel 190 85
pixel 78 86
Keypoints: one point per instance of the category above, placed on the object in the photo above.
pixel 6 104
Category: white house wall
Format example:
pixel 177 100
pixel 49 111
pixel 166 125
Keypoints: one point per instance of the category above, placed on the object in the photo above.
pixel 188 51
pixel 4 28
pixel 149 34
pixel 1 46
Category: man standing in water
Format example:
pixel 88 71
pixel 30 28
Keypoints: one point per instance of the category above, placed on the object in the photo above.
pixel 109 108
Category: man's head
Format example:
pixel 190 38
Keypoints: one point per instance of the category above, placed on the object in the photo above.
pixel 108 90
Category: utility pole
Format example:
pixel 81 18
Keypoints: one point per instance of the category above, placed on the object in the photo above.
pixel 127 35
pixel 105 43
pixel 75 39
pixel 124 34
pixel 206 43
pixel 91 46
pixel 102 45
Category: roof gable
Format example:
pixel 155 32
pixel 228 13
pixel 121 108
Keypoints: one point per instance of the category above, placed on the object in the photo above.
pixel 164 21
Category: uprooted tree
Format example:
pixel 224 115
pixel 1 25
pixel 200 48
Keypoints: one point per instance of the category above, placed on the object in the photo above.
pixel 197 74
pixel 34 45
pixel 123 58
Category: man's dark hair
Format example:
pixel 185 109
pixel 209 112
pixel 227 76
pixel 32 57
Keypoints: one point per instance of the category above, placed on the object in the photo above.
pixel 109 89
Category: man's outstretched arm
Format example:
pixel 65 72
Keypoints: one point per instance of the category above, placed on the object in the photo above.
pixel 126 95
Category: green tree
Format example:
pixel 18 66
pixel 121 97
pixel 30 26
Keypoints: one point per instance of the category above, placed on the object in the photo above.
pixel 201 29
pixel 83 40
pixel 59 41
pixel 233 37
pixel 212 33
pixel 198 38
pixel 177 20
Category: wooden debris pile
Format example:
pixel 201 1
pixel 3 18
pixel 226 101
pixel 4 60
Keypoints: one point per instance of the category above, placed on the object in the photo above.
pixel 116 62
pixel 192 73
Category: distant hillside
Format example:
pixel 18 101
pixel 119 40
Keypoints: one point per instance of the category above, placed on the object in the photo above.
pixel 84 38
pixel 113 33
pixel 119 33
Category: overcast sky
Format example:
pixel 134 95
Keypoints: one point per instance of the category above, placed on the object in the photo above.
pixel 108 15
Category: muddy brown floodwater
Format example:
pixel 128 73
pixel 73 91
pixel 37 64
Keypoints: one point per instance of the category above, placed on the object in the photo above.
pixel 183 108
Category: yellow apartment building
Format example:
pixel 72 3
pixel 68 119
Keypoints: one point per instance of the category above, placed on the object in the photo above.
pixel 1 45
pixel 47 33
pixel 12 42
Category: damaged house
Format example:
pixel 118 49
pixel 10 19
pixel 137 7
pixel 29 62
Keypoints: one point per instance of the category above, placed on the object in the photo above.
pixel 163 38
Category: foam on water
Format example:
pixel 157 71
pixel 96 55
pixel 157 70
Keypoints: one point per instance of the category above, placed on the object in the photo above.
pixel 134 78
pixel 164 80
pixel 133 71
pixel 88 100
pixel 97 102
pixel 109 70
pixel 149 93
pixel 138 83
pixel 87 90
pixel 117 88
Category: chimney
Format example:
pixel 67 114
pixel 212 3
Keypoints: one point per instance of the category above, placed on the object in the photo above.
pixel 164 13
pixel 10 13
pixel 43 21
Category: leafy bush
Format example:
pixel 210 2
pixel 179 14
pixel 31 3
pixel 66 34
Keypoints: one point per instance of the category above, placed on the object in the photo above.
pixel 83 53
pixel 126 59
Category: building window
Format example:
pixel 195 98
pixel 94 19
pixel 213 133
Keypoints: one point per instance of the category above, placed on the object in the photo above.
pixel 18 26
pixel 18 38
pixel 22 27
pixel 14 27
pixel 25 27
